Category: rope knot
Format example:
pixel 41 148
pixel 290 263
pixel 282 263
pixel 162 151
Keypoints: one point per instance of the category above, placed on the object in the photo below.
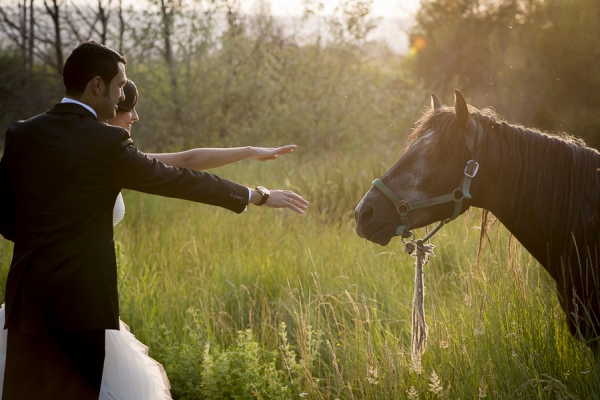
pixel 410 247
pixel 419 250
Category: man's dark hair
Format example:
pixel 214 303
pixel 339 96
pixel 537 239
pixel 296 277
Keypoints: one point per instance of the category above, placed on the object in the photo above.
pixel 88 60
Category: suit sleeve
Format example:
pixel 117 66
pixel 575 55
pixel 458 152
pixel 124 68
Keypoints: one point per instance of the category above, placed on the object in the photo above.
pixel 8 208
pixel 136 171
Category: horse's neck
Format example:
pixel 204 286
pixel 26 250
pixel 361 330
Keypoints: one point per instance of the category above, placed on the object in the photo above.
pixel 533 187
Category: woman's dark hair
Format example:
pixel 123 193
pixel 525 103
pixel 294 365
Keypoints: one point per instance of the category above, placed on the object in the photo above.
pixel 131 97
pixel 88 60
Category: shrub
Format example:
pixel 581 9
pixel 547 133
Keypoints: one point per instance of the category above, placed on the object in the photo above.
pixel 243 371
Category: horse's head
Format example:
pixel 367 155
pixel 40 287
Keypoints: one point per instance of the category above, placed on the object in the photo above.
pixel 431 168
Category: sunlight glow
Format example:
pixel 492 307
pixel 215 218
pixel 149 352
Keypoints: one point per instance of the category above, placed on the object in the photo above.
pixel 418 43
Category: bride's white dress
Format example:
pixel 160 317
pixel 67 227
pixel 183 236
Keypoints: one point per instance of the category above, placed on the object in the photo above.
pixel 129 373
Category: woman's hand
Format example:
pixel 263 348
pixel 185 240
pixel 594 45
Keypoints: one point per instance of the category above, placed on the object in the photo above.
pixel 271 153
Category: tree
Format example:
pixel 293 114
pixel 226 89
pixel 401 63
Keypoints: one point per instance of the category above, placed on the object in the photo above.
pixel 87 20
pixel 534 60
pixel 53 8
pixel 18 24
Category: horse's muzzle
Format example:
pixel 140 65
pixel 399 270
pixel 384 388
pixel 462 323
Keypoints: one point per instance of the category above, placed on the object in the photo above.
pixel 369 227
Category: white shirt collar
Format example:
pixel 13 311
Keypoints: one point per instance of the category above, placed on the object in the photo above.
pixel 90 109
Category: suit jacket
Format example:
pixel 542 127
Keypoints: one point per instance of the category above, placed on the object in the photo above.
pixel 59 177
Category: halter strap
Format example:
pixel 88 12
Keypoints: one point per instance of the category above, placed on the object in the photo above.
pixel 457 196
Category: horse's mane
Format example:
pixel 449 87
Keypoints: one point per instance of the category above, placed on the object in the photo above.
pixel 537 163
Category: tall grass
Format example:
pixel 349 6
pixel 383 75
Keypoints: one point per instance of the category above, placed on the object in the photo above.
pixel 279 305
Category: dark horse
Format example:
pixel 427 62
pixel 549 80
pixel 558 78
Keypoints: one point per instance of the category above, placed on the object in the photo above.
pixel 545 189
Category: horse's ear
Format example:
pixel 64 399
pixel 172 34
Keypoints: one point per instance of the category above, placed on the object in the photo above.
pixel 462 111
pixel 436 104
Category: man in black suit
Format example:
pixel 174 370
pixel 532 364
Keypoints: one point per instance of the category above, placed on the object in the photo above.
pixel 59 177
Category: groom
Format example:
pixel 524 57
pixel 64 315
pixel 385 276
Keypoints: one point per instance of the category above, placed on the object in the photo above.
pixel 59 177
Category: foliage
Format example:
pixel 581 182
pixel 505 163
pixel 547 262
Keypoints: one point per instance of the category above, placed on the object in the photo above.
pixel 536 61
pixel 211 76
pixel 242 372
pixel 23 93
pixel 256 84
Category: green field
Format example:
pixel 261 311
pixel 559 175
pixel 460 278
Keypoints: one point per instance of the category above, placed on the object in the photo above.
pixel 269 304
pixel 272 305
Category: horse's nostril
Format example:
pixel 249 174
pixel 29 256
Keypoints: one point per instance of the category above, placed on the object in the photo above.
pixel 365 215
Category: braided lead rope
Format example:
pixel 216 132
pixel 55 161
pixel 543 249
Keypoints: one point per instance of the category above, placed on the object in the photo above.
pixel 421 253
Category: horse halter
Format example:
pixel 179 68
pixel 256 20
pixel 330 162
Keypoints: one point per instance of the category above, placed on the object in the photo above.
pixel 457 196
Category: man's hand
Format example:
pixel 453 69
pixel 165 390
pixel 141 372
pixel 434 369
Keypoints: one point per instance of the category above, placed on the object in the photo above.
pixel 271 153
pixel 282 199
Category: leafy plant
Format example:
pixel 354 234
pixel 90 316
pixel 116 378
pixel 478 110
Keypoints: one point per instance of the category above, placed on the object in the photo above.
pixel 243 371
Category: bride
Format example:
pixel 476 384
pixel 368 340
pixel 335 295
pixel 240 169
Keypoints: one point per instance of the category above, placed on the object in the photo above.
pixel 129 373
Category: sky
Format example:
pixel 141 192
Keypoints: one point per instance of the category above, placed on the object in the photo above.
pixel 380 8
pixel 389 30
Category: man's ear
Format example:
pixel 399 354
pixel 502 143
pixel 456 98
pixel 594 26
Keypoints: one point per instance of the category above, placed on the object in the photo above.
pixel 97 85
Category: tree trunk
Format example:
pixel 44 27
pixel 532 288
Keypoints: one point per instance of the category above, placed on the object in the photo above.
pixel 24 33
pixel 31 35
pixel 103 15
pixel 167 32
pixel 54 13
pixel 121 27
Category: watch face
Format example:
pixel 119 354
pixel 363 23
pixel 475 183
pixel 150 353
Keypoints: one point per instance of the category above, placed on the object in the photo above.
pixel 265 195
pixel 263 190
